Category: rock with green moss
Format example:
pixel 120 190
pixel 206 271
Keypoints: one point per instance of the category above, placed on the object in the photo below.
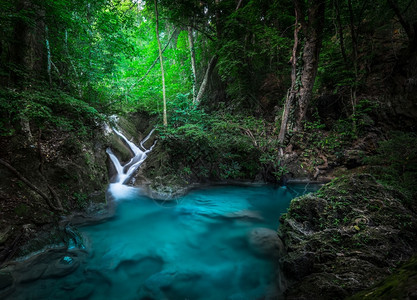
pixel 345 238
pixel 402 284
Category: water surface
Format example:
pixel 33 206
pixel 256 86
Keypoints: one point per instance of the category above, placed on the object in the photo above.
pixel 196 247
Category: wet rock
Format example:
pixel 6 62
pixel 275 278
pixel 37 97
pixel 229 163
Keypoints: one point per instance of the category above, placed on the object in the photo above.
pixel 62 267
pixel 5 233
pixel 246 215
pixel 6 280
pixel 353 158
pixel 345 238
pixel 265 242
pixel 401 284
pixel 166 192
pixel 298 265
pixel 32 274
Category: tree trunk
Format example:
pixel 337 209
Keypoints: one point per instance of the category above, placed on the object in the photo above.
pixel 203 86
pixel 339 29
pixel 312 30
pixel 154 62
pixel 49 59
pixel 162 65
pixel 291 95
pixel 27 53
pixel 353 33
pixel 77 78
pixel 193 68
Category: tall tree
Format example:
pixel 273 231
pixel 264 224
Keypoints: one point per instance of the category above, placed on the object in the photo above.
pixel 162 64
pixel 310 21
pixel 292 93
pixel 193 67
pixel 203 86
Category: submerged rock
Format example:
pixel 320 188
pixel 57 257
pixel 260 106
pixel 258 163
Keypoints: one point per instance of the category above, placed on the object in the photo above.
pixel 62 267
pixel 265 242
pixel 246 214
pixel 345 238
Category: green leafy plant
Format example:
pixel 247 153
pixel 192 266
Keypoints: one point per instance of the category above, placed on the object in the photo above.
pixel 395 162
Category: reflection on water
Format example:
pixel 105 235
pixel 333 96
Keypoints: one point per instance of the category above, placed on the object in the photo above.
pixel 203 246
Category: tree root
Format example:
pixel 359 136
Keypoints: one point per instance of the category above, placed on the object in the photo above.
pixel 30 185
pixel 323 166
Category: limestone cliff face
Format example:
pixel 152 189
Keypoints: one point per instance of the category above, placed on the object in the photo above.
pixel 345 238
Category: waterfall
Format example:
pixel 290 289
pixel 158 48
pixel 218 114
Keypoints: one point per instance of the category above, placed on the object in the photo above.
pixel 125 173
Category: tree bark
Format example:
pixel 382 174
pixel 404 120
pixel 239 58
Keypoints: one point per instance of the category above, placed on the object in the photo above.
pixel 238 4
pixel 49 59
pixel 291 95
pixel 353 88
pixel 80 92
pixel 340 30
pixel 162 64
pixel 203 86
pixel 193 68
pixel 313 31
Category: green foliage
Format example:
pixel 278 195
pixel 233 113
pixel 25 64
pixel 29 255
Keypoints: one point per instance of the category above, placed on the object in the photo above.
pixel 46 108
pixel 253 47
pixel 343 132
pixel 398 285
pixel 209 146
pixel 81 199
pixel 22 210
pixel 395 162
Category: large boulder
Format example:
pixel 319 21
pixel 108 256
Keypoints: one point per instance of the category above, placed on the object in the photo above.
pixel 265 242
pixel 345 238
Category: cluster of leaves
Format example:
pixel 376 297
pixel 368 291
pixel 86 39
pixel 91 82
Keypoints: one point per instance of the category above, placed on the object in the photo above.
pixel 343 131
pixel 46 108
pixel 395 162
pixel 206 146
pixel 253 46
pixel 217 146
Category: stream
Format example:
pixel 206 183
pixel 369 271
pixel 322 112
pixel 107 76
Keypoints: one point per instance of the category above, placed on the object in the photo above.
pixel 217 242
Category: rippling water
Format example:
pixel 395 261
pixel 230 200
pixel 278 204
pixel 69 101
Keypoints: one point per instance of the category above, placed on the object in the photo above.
pixel 198 247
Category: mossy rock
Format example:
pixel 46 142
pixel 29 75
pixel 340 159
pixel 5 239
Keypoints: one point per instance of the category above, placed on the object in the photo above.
pixel 402 284
pixel 353 229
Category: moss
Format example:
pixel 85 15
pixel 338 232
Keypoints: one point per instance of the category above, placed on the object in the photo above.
pixel 399 285
pixel 22 210
pixel 356 229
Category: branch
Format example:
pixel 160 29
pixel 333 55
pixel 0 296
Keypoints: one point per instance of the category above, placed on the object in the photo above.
pixel 193 27
pixel 154 62
pixel 238 5
pixel 28 183
pixel 403 22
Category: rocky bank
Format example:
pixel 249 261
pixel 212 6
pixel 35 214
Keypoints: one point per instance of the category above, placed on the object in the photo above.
pixel 345 238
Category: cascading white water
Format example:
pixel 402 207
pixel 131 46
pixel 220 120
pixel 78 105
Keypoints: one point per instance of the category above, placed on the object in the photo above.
pixel 125 173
